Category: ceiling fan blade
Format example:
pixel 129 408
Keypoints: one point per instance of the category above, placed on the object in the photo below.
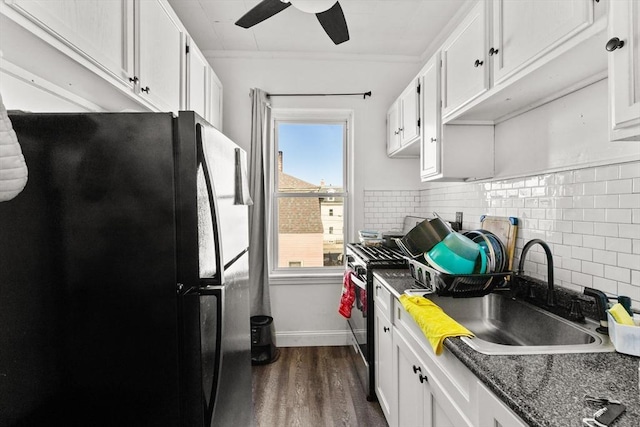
pixel 263 10
pixel 334 23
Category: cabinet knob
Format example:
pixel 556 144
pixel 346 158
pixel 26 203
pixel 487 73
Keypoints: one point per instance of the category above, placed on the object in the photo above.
pixel 493 51
pixel 478 63
pixel 401 129
pixel 423 378
pixel 133 79
pixel 396 132
pixel 433 140
pixel 614 43
pixel 385 329
pixel 145 89
pixel 416 369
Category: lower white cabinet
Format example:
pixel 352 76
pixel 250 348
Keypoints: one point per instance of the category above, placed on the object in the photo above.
pixel 422 401
pixel 493 412
pixel 416 388
pixel 383 361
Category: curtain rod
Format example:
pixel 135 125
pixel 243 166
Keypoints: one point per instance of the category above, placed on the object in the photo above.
pixel 364 94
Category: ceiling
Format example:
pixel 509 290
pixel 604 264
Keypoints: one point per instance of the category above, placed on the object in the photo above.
pixel 405 29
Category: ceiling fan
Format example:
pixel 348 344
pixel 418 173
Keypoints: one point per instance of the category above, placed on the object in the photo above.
pixel 328 12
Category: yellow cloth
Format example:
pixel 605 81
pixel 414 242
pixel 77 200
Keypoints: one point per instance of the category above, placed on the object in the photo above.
pixel 434 322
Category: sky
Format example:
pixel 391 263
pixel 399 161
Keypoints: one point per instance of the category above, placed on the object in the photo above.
pixel 312 152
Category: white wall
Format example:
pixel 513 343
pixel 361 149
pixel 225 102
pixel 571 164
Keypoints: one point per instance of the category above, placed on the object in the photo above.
pixel 307 313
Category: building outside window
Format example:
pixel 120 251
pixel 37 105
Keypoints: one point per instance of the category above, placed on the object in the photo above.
pixel 310 196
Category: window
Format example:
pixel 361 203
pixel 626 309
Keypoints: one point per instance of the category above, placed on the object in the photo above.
pixel 310 197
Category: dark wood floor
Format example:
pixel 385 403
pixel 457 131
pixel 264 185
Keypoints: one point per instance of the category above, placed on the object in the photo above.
pixel 312 386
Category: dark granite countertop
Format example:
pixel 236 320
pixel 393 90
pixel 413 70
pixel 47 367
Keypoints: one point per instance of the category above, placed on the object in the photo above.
pixel 547 389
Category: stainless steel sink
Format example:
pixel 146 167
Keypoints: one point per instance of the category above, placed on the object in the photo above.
pixel 506 326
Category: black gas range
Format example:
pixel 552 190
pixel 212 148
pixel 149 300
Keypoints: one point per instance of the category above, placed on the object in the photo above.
pixel 362 261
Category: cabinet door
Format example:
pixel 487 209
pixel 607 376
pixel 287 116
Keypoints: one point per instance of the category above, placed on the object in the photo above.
pixel 493 412
pixel 430 144
pixel 409 114
pixel 412 408
pixel 624 69
pixel 101 30
pixel 160 56
pixel 383 358
pixel 525 30
pixel 215 100
pixel 464 64
pixel 197 82
pixel 393 132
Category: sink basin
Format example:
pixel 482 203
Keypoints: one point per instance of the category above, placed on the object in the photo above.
pixel 506 326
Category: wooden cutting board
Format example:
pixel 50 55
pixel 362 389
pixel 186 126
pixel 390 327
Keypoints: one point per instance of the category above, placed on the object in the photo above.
pixel 506 228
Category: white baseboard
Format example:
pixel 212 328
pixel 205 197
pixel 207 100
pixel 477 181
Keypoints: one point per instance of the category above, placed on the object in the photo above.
pixel 312 338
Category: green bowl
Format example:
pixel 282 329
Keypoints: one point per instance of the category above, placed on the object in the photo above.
pixel 457 254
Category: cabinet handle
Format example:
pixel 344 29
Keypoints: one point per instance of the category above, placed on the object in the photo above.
pixel 478 63
pixel 614 43
pixel 396 132
pixel 401 129
pixel 378 286
pixel 433 140
pixel 385 329
pixel 145 89
pixel 416 369
pixel 133 79
pixel 423 378
pixel 493 51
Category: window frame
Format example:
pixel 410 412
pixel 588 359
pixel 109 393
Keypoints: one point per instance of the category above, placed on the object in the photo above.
pixel 310 116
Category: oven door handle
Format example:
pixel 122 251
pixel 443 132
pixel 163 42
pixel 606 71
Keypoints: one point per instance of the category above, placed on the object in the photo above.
pixel 358 281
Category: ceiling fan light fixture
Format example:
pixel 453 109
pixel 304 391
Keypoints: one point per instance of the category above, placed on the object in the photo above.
pixel 313 6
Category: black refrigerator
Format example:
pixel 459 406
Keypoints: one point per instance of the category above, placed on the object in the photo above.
pixel 124 298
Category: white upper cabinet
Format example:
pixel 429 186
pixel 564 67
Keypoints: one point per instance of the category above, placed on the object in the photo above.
pixel 431 122
pixel 507 57
pixel 161 48
pixel 409 114
pixel 215 100
pixel 464 62
pixel 197 81
pixel 101 31
pixel 525 30
pixel 450 152
pixel 393 128
pixel 403 123
pixel 624 69
pixel 117 54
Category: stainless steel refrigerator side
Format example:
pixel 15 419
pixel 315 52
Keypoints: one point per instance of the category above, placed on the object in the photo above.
pixel 224 365
pixel 88 276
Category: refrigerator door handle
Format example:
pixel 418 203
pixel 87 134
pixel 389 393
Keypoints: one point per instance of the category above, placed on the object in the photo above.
pixel 211 194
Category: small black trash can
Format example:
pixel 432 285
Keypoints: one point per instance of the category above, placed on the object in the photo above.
pixel 263 349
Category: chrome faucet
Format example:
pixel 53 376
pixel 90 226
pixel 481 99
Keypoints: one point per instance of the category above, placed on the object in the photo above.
pixel 551 300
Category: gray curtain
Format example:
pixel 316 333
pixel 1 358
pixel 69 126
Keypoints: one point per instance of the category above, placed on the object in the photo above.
pixel 259 189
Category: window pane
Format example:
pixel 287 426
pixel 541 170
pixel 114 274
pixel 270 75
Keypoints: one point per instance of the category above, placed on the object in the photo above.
pixel 308 236
pixel 310 157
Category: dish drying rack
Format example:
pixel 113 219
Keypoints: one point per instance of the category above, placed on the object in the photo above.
pixel 455 285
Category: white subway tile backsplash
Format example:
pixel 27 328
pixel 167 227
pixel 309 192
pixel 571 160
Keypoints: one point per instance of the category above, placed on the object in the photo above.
pixel 618 244
pixel 590 217
pixel 630 170
pixel 618 215
pixel 604 173
pixel 617 273
pixel 594 242
pixel 619 186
